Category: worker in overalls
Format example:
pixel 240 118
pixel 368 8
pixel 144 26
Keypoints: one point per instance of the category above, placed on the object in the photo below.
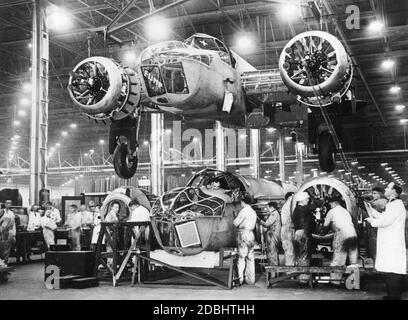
pixel 303 222
pixel 339 220
pixel 273 226
pixel 245 222
pixel 287 232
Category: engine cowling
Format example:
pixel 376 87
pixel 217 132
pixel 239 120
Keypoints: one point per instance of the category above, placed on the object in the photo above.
pixel 315 66
pixel 102 88
pixel 320 189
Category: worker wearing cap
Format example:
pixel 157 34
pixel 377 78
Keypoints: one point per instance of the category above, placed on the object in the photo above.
pixel 339 220
pixel 303 221
pixel 245 222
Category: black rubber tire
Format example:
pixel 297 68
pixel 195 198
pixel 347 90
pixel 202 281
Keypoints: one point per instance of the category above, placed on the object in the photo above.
pixel 326 150
pixel 120 162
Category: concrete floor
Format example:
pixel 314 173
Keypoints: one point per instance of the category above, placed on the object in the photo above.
pixel 26 282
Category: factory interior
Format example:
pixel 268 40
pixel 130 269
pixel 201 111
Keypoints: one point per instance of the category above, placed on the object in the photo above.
pixel 203 150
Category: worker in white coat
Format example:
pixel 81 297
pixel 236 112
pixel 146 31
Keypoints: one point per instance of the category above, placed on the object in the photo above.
pixel 391 249
pixel 139 213
pixel 245 222
pixel 48 227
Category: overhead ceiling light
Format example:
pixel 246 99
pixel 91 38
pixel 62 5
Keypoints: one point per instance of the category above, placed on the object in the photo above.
pixel 130 56
pixel 21 113
pixel 157 28
pixel 52 149
pixel 384 164
pixel 370 174
pixel 24 102
pixel 58 144
pixel 167 131
pixel 270 130
pixel 354 163
pixel 145 142
pixel 58 18
pixel 288 138
pixel 403 120
pixel 245 43
pixel 395 89
pixel 16 122
pixel 27 86
pixel 387 64
pixel 101 141
pixel 399 107
pixel 73 125
pixel 242 136
pixel 289 12
pixel 341 170
pixel 375 26
pixel 64 133
pixel 388 168
pixel 85 154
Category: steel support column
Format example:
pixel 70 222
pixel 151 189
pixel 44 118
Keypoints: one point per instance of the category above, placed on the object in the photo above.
pixel 220 146
pixel 281 149
pixel 255 153
pixel 39 101
pixel 156 153
pixel 299 149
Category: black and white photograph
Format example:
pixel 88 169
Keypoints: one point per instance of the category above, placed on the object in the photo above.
pixel 203 157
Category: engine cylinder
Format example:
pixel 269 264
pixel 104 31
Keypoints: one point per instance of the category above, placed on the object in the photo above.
pixel 102 89
pixel 315 66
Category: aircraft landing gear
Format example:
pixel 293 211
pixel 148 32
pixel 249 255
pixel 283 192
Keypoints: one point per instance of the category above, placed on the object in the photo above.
pixel 123 145
pixel 124 162
pixel 326 149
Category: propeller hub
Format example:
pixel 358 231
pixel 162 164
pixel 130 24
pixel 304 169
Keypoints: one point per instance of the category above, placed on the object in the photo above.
pixel 94 84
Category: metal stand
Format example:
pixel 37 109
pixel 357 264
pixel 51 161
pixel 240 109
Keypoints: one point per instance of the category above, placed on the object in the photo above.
pixel 194 273
pixel 109 231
